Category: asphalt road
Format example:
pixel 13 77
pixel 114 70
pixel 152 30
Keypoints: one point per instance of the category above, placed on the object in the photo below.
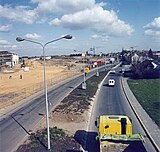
pixel 111 100
pixel 18 125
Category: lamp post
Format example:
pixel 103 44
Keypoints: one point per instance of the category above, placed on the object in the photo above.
pixel 19 39
pixel 97 73
pixel 84 86
pixel 105 60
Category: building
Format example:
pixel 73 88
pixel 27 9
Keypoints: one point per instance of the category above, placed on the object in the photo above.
pixel 156 54
pixel 8 59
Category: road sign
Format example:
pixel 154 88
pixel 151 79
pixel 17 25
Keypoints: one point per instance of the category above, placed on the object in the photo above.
pixel 86 70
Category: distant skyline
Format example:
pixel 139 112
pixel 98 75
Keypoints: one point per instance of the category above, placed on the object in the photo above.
pixel 107 25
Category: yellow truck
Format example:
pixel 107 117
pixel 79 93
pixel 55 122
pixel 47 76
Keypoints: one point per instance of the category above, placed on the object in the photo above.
pixel 115 134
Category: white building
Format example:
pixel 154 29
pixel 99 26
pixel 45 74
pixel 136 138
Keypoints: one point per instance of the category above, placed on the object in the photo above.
pixel 8 58
pixel 135 58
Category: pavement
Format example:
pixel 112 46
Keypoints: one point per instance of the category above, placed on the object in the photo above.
pixel 148 124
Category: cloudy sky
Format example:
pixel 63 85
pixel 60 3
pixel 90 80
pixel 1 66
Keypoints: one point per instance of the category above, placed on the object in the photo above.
pixel 107 25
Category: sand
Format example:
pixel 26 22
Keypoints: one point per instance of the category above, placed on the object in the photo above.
pixel 17 82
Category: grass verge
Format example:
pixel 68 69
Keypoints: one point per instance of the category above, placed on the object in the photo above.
pixel 147 92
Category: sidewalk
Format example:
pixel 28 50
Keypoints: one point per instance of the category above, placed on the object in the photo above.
pixel 144 118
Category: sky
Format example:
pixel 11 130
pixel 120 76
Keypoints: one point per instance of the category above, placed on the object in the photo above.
pixel 106 25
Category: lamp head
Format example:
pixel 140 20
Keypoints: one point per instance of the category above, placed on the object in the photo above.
pixel 19 39
pixel 68 37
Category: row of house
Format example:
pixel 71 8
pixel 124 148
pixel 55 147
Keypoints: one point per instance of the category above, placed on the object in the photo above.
pixel 143 64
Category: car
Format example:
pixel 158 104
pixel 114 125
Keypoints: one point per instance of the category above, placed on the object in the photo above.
pixel 112 71
pixel 111 82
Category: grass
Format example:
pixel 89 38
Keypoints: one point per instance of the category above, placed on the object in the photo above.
pixel 147 92
pixel 60 141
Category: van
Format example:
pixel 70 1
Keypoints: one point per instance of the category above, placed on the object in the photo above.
pixel 111 82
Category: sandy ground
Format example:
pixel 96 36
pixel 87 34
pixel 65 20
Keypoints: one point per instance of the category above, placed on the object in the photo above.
pixel 15 85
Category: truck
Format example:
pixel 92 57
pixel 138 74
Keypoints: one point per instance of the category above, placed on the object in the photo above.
pixel 115 134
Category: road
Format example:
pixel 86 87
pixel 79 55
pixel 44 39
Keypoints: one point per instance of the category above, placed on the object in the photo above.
pixel 17 126
pixel 111 100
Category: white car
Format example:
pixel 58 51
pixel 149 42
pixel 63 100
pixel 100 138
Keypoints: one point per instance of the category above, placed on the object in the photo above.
pixel 111 82
pixel 112 71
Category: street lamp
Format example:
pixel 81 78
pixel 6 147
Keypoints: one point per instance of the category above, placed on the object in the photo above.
pixel 84 85
pixel 19 39
pixel 97 73
pixel 104 60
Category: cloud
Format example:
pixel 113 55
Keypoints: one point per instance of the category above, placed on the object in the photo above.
pixel 8 47
pixel 152 33
pixel 97 19
pixel 5 28
pixel 64 6
pixel 102 37
pixel 154 24
pixel 153 28
pixel 19 13
pixel 4 42
pixel 40 12
pixel 95 36
pixel 33 36
pixel 55 22
pixel 14 46
pixel 72 14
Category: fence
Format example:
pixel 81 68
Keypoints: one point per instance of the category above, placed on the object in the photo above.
pixel 15 97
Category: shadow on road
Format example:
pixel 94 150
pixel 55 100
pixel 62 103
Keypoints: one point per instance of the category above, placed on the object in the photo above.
pixel 73 151
pixel 87 140
pixel 107 85
pixel 89 143
pixel 135 146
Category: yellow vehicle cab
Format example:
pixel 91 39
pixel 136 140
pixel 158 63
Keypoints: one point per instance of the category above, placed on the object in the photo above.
pixel 115 125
